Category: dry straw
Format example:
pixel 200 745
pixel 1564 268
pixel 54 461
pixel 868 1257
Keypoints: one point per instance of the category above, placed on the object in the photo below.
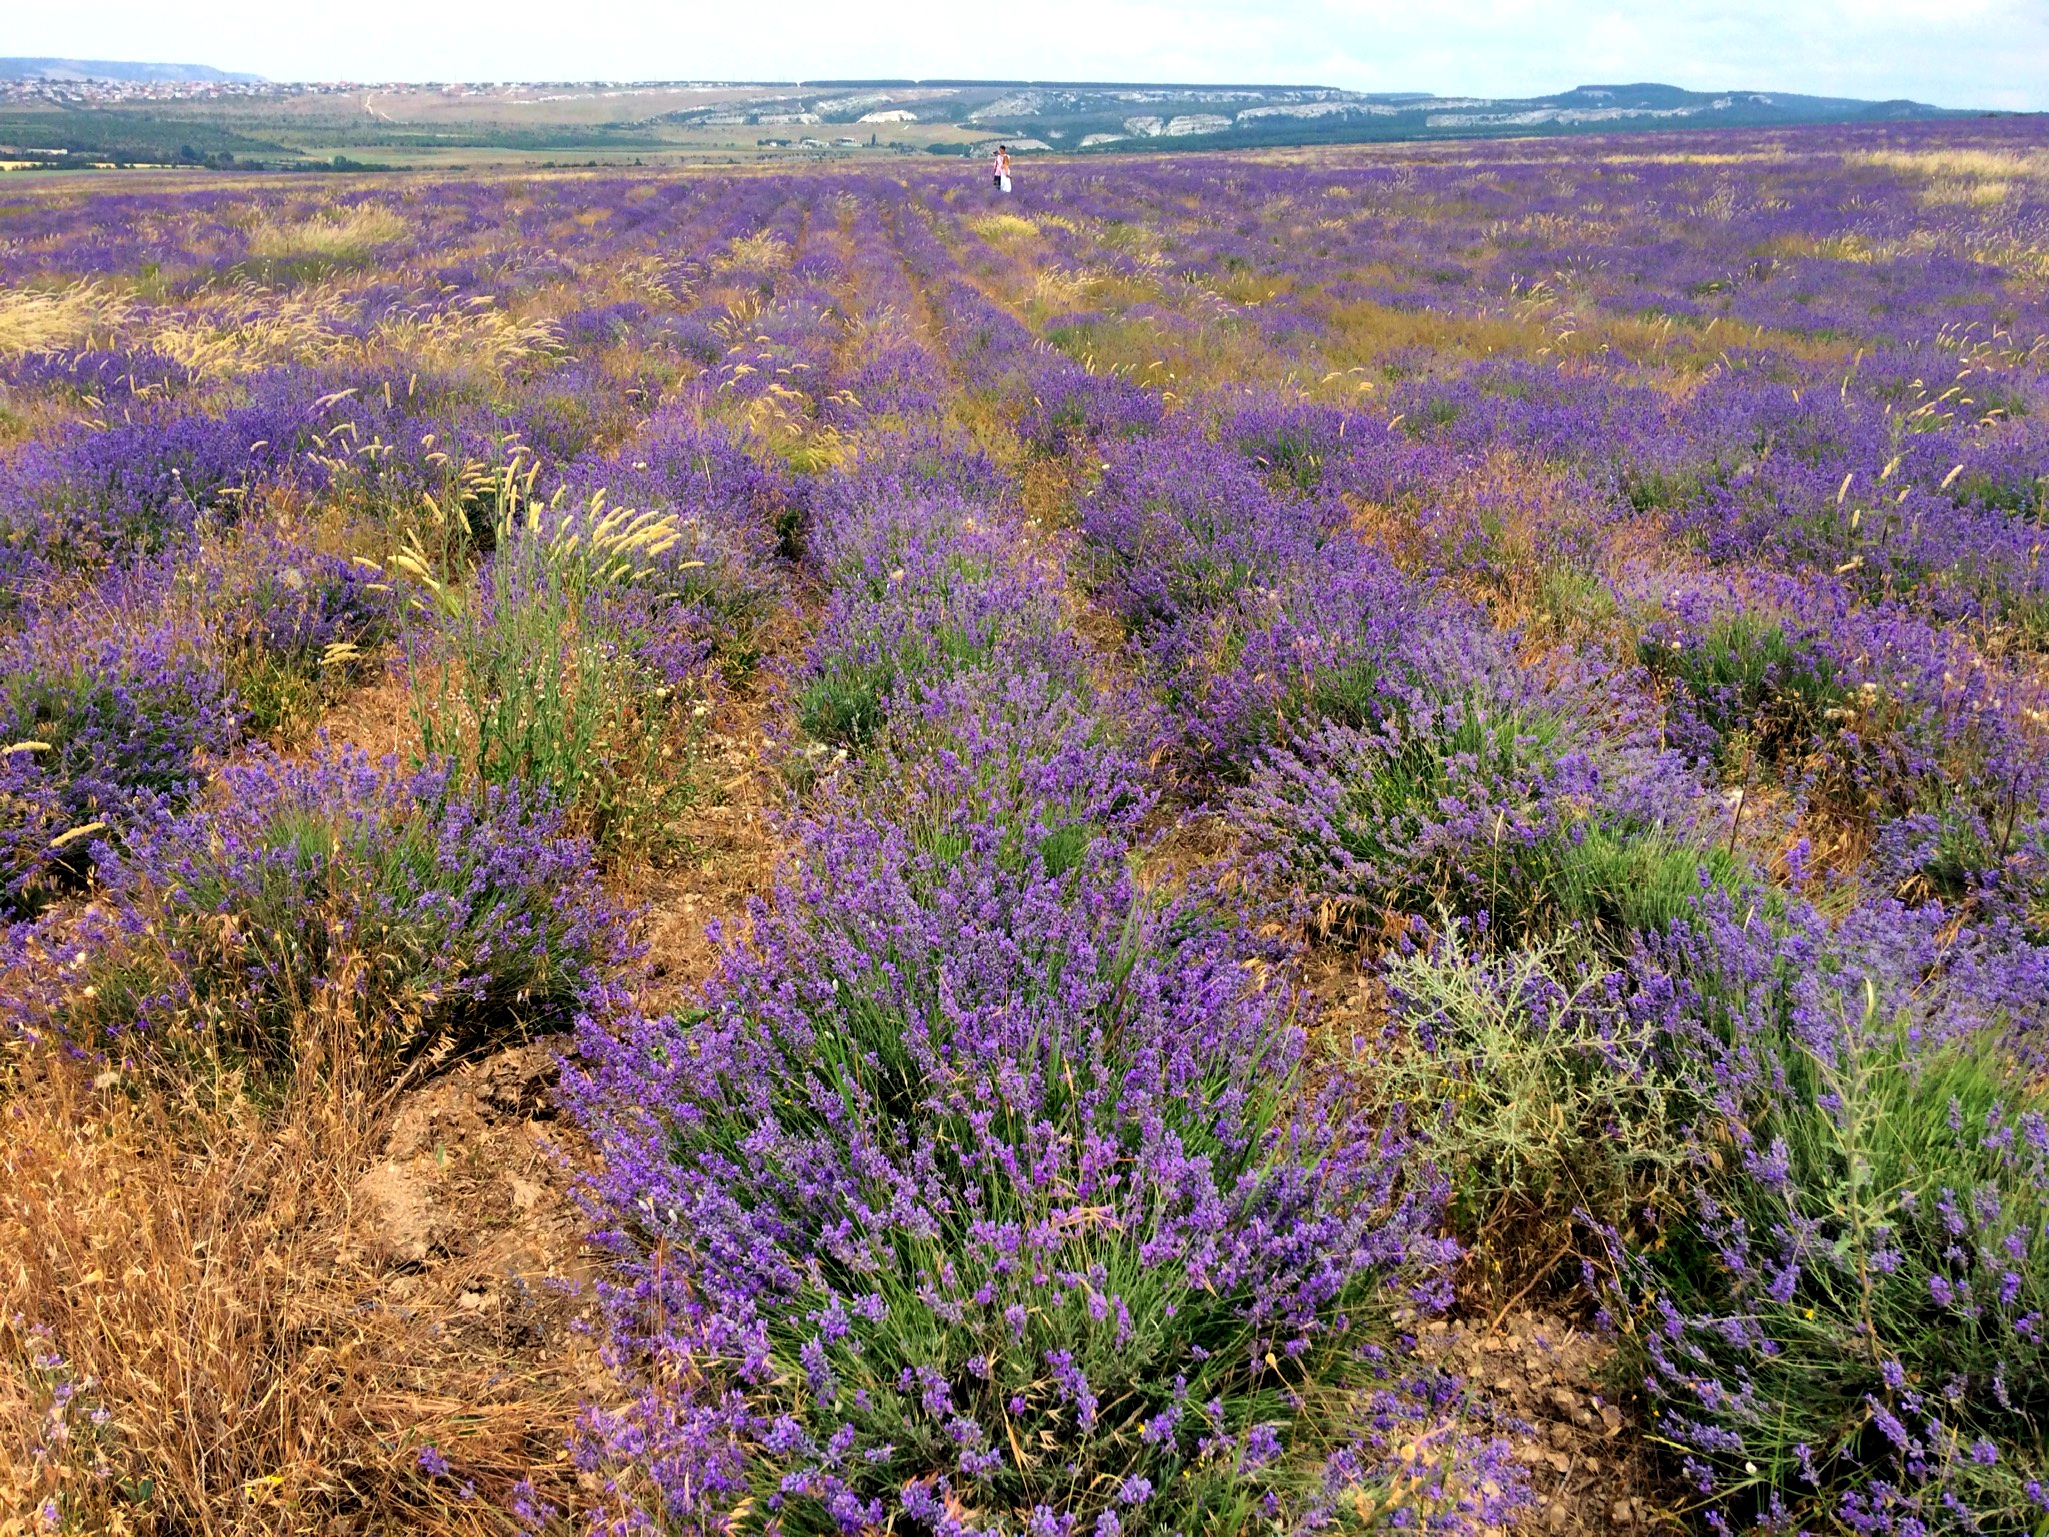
pixel 194 1337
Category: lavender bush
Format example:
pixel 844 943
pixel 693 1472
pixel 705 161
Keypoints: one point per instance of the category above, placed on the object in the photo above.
pixel 927 592
pixel 1485 788
pixel 1845 1325
pixel 110 713
pixel 423 916
pixel 296 624
pixel 984 1203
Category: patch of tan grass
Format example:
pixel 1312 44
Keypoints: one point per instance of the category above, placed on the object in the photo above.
pixel 239 332
pixel 191 1336
pixel 1955 164
pixel 1055 288
pixel 32 320
pixel 763 251
pixel 255 329
pixel 2027 260
pixel 1960 178
pixel 1965 192
pixel 1747 157
pixel 349 234
pixel 478 336
pixel 1001 227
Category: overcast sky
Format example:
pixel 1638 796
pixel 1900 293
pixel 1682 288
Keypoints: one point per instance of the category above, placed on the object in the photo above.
pixel 1959 53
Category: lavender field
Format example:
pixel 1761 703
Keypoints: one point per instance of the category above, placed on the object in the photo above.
pixel 1347 841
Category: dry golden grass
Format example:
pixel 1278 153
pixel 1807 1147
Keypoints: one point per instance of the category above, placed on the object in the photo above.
pixel 192 1338
pixel 479 336
pixel 235 330
pixel 1966 192
pixel 1001 227
pixel 2026 260
pixel 349 234
pixel 1971 164
pixel 764 250
pixel 1055 288
pixel 241 331
pixel 1967 178
pixel 34 319
pixel 1250 288
pixel 1747 157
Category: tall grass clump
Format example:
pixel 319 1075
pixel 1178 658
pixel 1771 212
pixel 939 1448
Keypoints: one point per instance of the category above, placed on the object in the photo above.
pixel 575 669
pixel 342 235
pixel 730 516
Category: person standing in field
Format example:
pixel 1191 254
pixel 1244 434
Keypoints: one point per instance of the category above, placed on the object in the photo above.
pixel 1002 168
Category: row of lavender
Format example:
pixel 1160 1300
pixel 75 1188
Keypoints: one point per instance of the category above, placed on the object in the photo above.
pixel 1874 716
pixel 1794 1140
pixel 982 1193
pixel 196 558
pixel 557 562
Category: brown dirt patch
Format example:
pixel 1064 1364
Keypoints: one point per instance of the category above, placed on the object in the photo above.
pixel 734 851
pixel 1588 1473
pixel 468 1204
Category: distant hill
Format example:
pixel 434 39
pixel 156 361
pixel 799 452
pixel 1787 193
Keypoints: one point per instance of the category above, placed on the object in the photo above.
pixel 1108 116
pixel 1113 117
pixel 1587 104
pixel 116 69
pixel 58 113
